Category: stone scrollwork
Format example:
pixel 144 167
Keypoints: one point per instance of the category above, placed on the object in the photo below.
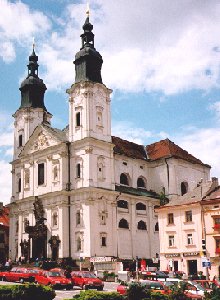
pixel 42 142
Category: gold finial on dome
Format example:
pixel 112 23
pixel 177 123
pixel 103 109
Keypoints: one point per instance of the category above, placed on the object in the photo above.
pixel 33 43
pixel 87 9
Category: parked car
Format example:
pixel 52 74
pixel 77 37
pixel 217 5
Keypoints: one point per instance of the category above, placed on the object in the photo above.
pixel 18 274
pixel 192 288
pixel 54 279
pixel 86 280
pixel 208 285
pixel 153 275
pixel 153 285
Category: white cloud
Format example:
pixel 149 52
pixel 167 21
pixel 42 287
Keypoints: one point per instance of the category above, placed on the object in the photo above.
pixel 6 139
pixel 18 25
pixel 151 46
pixel 216 108
pixel 204 144
pixel 128 131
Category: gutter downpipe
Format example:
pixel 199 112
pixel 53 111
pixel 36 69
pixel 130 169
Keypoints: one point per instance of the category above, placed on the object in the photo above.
pixel 168 178
pixel 68 188
pixel 204 235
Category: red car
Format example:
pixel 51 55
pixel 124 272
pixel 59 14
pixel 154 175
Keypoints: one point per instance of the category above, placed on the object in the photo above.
pixel 54 279
pixel 86 280
pixel 19 274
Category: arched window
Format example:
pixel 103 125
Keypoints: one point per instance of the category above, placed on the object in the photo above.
pixel 78 170
pixel 122 204
pixel 78 217
pixel 124 179
pixel 123 224
pixel 141 183
pixel 184 187
pixel 142 225
pixel 140 206
pixel 156 228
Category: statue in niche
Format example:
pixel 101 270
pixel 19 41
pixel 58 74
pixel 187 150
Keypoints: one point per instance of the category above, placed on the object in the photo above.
pixel 26 178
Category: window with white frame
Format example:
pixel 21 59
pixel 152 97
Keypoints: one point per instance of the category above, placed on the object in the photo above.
pixel 103 239
pixel 78 119
pixel 41 173
pixel 19 183
pixel 20 140
pixel 188 216
pixel 189 239
pixel 170 218
pixel 103 216
pixel 171 240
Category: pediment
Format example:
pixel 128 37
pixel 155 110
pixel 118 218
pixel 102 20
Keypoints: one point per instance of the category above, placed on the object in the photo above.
pixel 40 139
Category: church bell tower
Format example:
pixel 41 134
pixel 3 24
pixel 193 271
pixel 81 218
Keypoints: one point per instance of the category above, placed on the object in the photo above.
pixel 32 110
pixel 89 98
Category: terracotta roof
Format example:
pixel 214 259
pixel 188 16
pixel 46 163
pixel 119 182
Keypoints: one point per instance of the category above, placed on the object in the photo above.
pixel 212 195
pixel 4 216
pixel 166 148
pixel 128 148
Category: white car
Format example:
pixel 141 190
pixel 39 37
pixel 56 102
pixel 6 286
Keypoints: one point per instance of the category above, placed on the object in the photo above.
pixel 192 287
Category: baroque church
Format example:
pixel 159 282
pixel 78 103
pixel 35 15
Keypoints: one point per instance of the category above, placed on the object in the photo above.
pixel 81 192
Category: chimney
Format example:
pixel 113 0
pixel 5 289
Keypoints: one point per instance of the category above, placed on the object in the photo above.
pixel 214 182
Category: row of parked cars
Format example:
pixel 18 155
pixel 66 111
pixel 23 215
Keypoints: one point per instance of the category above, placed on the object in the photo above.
pixel 55 277
pixel 193 289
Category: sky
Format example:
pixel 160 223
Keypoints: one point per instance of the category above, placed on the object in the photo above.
pixel 161 59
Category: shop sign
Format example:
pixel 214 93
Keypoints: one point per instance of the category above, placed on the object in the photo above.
pixel 170 255
pixel 100 259
pixel 186 254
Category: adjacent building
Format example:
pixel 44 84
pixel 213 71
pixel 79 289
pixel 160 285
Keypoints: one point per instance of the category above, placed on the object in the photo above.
pixel 81 192
pixel 188 231
pixel 4 233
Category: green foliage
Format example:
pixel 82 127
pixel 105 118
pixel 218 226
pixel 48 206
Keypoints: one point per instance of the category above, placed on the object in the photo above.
pixel 136 291
pixel 26 292
pixel 214 295
pixel 94 295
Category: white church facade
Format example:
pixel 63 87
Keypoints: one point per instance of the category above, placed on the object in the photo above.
pixel 81 192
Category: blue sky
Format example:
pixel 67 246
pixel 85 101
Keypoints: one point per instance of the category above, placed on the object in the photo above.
pixel 161 58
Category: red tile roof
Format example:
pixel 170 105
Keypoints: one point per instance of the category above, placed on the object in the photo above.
pixel 4 216
pixel 166 149
pixel 128 148
pixel 162 149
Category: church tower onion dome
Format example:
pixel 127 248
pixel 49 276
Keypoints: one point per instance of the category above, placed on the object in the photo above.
pixel 88 61
pixel 32 88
